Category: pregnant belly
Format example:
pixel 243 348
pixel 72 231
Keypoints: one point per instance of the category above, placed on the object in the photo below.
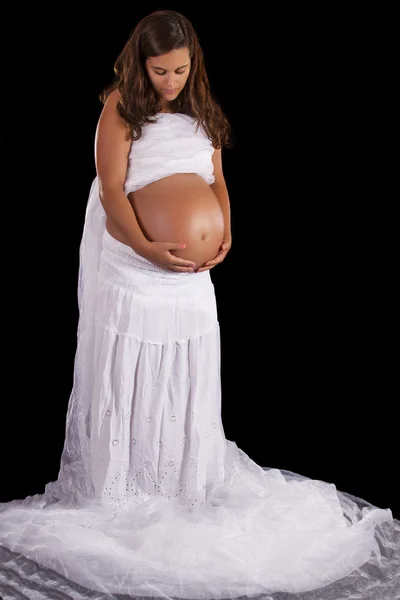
pixel 181 208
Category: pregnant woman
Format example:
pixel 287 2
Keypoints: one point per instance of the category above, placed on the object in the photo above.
pixel 151 499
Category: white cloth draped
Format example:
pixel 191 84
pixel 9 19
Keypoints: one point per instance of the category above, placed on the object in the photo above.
pixel 151 499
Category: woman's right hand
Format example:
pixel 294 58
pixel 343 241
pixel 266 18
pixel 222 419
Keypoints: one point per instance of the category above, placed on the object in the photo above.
pixel 159 254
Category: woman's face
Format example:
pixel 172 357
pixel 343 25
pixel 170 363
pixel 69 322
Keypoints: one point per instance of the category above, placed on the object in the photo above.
pixel 169 73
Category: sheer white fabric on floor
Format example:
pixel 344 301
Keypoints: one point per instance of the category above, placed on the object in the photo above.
pixel 151 499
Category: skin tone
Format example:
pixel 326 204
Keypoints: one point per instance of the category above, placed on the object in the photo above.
pixel 168 74
pixel 113 142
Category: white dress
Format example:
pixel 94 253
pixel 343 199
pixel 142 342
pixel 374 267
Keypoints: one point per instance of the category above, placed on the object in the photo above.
pixel 151 499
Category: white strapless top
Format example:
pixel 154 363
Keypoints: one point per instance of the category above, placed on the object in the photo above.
pixel 169 146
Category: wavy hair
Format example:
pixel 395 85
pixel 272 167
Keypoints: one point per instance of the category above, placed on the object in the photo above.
pixel 159 33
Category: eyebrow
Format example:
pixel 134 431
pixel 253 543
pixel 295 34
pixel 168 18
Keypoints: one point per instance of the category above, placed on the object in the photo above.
pixel 177 68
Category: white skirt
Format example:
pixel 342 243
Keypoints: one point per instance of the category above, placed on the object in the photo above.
pixel 156 428
pixel 152 499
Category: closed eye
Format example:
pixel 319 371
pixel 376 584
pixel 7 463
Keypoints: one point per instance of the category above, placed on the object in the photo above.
pixel 179 71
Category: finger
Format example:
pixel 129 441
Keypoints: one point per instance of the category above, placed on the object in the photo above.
pixel 211 263
pixel 215 261
pixel 201 269
pixel 171 267
pixel 181 269
pixel 181 262
pixel 174 245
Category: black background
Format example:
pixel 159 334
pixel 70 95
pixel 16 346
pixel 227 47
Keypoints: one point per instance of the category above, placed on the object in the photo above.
pixel 305 314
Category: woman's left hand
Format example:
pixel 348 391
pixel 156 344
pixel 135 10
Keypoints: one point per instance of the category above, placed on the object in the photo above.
pixel 223 251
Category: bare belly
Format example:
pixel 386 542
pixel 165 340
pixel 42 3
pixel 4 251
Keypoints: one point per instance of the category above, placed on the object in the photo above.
pixel 181 208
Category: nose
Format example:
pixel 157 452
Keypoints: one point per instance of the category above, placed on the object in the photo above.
pixel 170 82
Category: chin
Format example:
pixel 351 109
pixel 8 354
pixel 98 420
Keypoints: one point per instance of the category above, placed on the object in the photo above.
pixel 169 97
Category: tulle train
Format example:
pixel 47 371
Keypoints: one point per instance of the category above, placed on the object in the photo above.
pixel 151 499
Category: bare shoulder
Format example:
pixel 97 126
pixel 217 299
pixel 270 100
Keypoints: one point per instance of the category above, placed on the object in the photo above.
pixel 112 100
pixel 112 146
pixel 110 117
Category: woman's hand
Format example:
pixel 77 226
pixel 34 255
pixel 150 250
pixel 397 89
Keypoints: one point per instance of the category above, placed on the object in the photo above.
pixel 159 254
pixel 223 251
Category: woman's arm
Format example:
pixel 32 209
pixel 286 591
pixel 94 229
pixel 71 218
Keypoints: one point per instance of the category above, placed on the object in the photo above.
pixel 113 142
pixel 220 190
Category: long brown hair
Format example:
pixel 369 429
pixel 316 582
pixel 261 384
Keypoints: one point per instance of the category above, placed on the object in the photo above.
pixel 159 33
